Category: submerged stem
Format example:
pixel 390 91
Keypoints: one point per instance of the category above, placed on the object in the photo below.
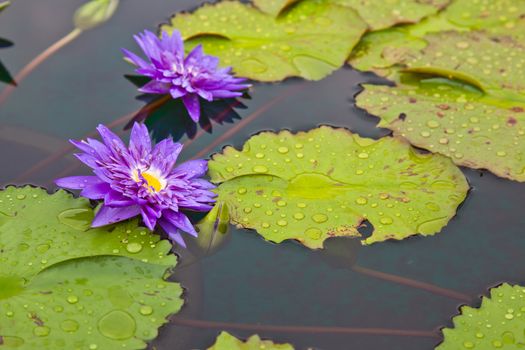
pixel 50 51
pixel 412 283
pixel 302 329
pixel 69 148
pixel 247 120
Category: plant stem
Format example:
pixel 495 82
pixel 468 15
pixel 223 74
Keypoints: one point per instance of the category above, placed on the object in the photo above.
pixel 69 148
pixel 302 329
pixel 412 283
pixel 50 51
pixel 247 120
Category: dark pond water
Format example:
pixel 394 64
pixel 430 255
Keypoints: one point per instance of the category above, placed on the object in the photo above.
pixel 250 283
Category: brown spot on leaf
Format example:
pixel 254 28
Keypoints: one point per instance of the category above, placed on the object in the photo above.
pixel 412 100
pixel 259 192
pixel 517 109
pixel 511 121
pixel 444 107
pixel 36 319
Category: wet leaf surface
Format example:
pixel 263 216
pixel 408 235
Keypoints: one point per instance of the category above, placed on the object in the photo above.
pixel 473 112
pixel 497 323
pixel 64 285
pixel 311 40
pixel 226 341
pixel 323 183
pixel 391 12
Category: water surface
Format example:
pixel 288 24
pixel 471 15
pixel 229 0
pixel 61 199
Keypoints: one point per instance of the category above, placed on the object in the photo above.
pixel 250 281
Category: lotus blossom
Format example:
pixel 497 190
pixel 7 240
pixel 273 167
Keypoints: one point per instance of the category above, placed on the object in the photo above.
pixel 190 78
pixel 141 179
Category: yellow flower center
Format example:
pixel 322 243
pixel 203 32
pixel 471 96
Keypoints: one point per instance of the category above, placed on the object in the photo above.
pixel 154 183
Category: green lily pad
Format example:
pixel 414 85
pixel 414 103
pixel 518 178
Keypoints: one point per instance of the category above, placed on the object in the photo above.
pixel 273 7
pixel 381 51
pixel 226 341
pixel 38 230
pixel 482 14
pixel 496 65
pixel 391 12
pixel 497 323
pixel 311 40
pixel 325 182
pixel 472 128
pixel 66 286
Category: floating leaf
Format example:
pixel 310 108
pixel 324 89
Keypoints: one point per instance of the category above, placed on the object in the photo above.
pixel 479 125
pixel 273 7
pixel 60 286
pixel 392 12
pixel 325 182
pixel 94 13
pixel 482 14
pixel 311 40
pixel 496 65
pixel 497 323
pixel 226 341
pixel 381 51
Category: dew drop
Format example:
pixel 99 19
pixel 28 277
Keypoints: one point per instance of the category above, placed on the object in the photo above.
pixel 21 196
pixel 254 65
pixel 72 299
pixel 259 155
pixel 313 233
pixel 134 247
pixel 79 219
pixel 319 218
pixel 508 338
pixel 41 331
pixel 282 150
pixel 298 216
pixel 146 310
pixel 42 248
pixel 425 133
pixel 433 124
pixel 282 223
pixel 260 169
pixel 117 325
pixel 468 345
pixel 281 203
pixel 361 200
pixel 69 326
pixel 363 155
pixel 386 220
pixel 242 190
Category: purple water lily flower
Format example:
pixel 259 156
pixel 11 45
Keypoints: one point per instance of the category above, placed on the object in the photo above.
pixel 141 180
pixel 189 78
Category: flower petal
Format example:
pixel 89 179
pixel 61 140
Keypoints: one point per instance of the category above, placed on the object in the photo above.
pixel 108 215
pixel 139 141
pixel 96 191
pixel 193 106
pixel 192 169
pixel 77 182
pixel 181 221
pixel 172 231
